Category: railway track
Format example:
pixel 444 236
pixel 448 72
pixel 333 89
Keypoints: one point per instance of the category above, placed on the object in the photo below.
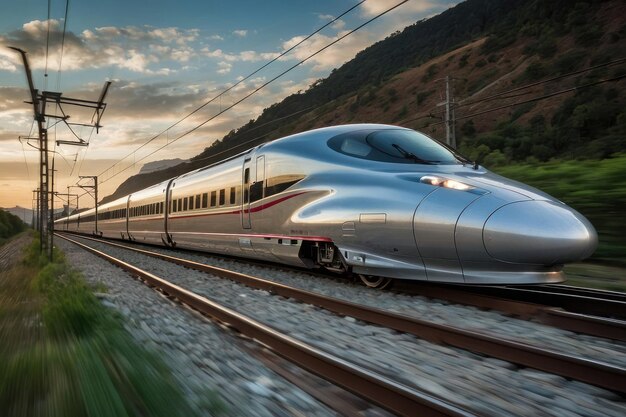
pixel 518 301
pixel 550 305
pixel 592 372
pixel 591 302
pixel 378 389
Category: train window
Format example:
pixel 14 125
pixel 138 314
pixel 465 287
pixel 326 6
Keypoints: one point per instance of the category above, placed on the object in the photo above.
pixel 213 198
pixel 279 177
pixel 198 201
pixel 246 176
pixel 180 204
pixel 233 191
pixel 185 200
pixel 205 200
pixel 161 206
pixel 222 197
pixel 393 145
pixel 256 191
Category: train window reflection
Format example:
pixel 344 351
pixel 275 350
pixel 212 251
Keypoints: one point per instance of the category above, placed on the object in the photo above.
pixel 404 146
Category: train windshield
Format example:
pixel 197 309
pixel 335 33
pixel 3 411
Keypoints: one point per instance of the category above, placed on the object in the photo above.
pixel 393 145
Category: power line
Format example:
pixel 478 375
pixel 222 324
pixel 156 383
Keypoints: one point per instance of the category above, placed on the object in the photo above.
pixel 67 6
pixel 568 90
pixel 239 145
pixel 262 86
pixel 502 94
pixel 569 74
pixel 45 72
pixel 285 52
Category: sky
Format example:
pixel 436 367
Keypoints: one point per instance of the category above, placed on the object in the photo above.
pixel 164 59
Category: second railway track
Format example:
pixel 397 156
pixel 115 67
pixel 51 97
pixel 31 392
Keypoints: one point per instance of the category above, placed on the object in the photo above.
pixel 594 372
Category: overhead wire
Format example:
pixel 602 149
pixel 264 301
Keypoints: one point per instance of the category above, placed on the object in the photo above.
pixel 543 97
pixel 45 72
pixel 261 87
pixel 67 6
pixel 32 127
pixel 282 54
pixel 239 145
pixel 548 80
pixel 507 93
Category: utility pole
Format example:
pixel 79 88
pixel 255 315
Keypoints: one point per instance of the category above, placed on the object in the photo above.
pixel 68 195
pixel 51 218
pixel 35 207
pixel 77 196
pixel 39 101
pixel 94 195
pixel 449 119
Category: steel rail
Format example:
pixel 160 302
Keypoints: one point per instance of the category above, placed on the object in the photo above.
pixel 583 291
pixel 367 384
pixel 553 316
pixel 584 370
pixel 574 303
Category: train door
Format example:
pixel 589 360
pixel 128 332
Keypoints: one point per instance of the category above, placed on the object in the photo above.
pixel 245 197
pixel 257 187
pixel 127 217
pixel 166 211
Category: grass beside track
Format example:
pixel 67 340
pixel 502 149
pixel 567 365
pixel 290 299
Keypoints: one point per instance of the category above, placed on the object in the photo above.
pixel 62 353
pixel 603 277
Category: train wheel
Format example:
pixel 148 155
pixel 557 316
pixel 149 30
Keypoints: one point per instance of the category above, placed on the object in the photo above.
pixel 376 282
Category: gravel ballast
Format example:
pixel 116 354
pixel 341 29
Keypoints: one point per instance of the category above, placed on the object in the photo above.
pixel 205 359
pixel 486 386
pixel 436 311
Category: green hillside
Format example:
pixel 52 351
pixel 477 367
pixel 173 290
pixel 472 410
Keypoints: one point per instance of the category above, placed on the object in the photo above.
pixel 10 225
pixel 536 84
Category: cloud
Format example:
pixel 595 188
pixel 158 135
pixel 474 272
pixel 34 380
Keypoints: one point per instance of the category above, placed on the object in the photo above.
pixel 224 67
pixel 338 25
pixel 216 38
pixel 372 8
pixel 240 32
pixel 136 49
pixel 243 56
pixel 332 57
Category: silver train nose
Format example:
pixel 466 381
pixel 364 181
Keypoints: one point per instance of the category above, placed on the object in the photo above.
pixel 538 232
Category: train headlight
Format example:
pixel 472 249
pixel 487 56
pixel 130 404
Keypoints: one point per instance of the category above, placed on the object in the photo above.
pixel 445 182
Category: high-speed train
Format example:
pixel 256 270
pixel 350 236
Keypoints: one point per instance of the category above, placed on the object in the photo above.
pixel 378 201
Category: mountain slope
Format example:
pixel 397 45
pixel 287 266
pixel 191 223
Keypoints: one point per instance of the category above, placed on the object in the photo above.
pixel 487 46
